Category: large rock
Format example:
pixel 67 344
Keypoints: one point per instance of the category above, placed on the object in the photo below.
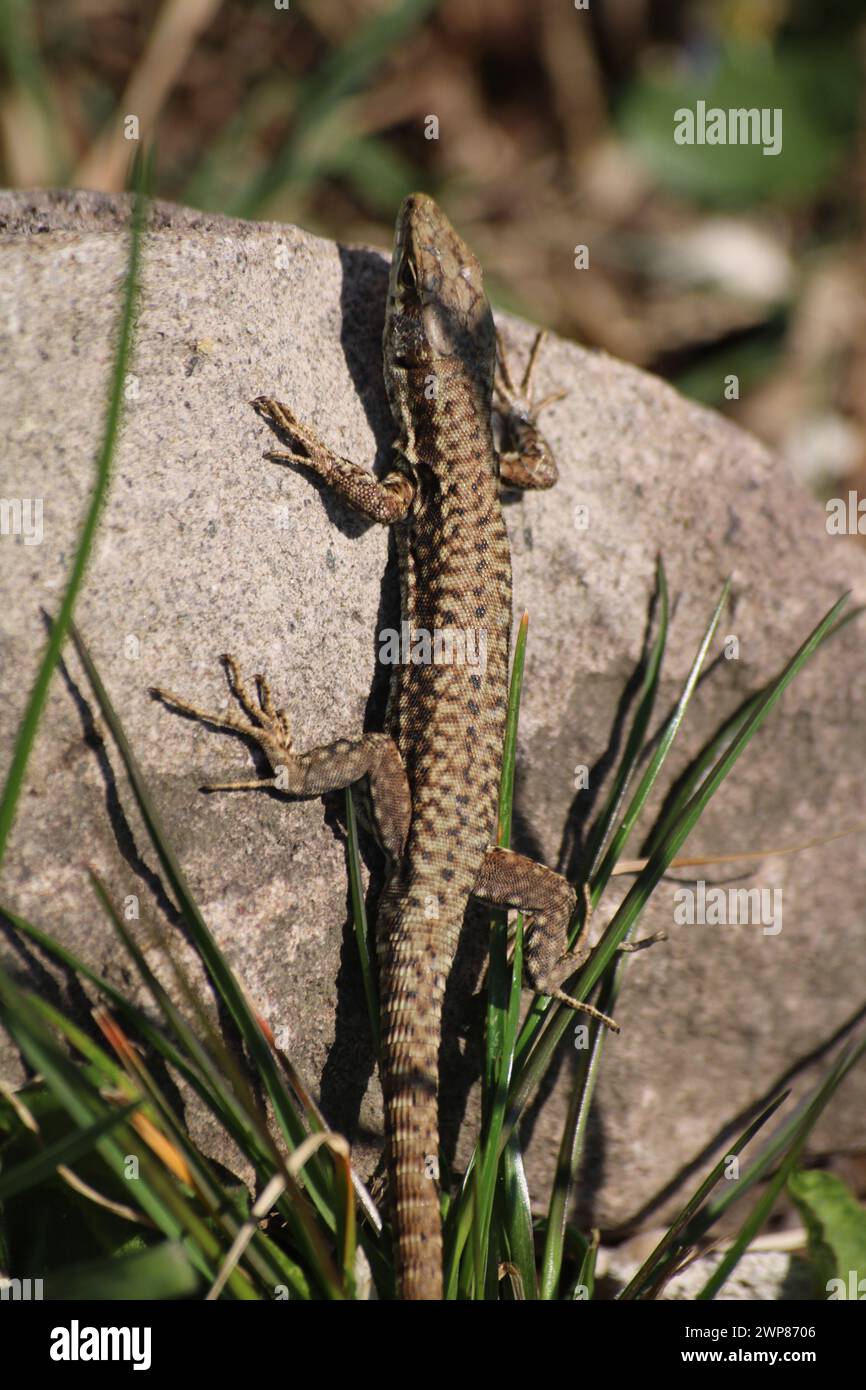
pixel 205 548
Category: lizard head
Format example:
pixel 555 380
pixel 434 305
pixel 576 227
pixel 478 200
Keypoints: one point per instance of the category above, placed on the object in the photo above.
pixel 437 317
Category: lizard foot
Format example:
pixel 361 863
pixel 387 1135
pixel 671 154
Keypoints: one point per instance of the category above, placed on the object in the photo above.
pixel 520 398
pixel 580 1007
pixel 573 960
pixel 311 449
pixel 547 983
pixel 268 726
pixel 525 458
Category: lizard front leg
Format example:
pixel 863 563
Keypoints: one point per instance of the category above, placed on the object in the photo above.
pixel 526 459
pixel 386 500
pixel 507 879
pixel 328 768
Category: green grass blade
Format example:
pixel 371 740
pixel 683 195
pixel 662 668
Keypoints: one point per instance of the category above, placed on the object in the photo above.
pixel 694 776
pixel 472 1213
pixel 756 1218
pixel 669 733
pixel 638 895
pixel 835 1223
pixel 537 1042
pixel 601 826
pixel 539 1016
pixel 503 1006
pixel 529 1068
pixel 57 634
pixel 162 1272
pixel 669 1247
pixel 67 1150
pixel 774 1150
pixel 721 740
pixel 584 1287
pixel 571 1143
pixel 516 1211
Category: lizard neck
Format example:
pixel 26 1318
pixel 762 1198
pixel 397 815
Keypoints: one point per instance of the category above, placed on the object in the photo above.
pixel 442 411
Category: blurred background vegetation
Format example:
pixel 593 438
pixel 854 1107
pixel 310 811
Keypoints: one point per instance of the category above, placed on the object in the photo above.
pixel 555 128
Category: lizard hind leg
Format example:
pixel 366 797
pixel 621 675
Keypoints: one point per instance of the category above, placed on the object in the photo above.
pixel 507 879
pixel 329 768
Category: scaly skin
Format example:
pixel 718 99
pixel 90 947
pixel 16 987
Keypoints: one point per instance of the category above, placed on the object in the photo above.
pixel 434 774
pixel 447 720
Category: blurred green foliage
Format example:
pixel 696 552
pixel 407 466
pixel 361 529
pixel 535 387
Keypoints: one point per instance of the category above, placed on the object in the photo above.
pixel 815 86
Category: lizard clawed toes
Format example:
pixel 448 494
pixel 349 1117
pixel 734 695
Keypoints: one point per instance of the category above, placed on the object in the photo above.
pixel 642 943
pixel 520 399
pixel 580 1007
pixel 266 725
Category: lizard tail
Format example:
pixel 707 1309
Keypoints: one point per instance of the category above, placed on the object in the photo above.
pixel 413 987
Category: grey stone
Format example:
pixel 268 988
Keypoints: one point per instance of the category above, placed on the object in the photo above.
pixel 205 548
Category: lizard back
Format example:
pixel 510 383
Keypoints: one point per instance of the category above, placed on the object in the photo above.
pixel 447 705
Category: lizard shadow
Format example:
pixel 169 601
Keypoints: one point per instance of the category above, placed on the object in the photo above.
pixel 351 1058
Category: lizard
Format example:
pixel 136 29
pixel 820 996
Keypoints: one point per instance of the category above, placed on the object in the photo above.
pixel 432 774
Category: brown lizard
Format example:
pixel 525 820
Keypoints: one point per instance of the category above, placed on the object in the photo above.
pixel 433 775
